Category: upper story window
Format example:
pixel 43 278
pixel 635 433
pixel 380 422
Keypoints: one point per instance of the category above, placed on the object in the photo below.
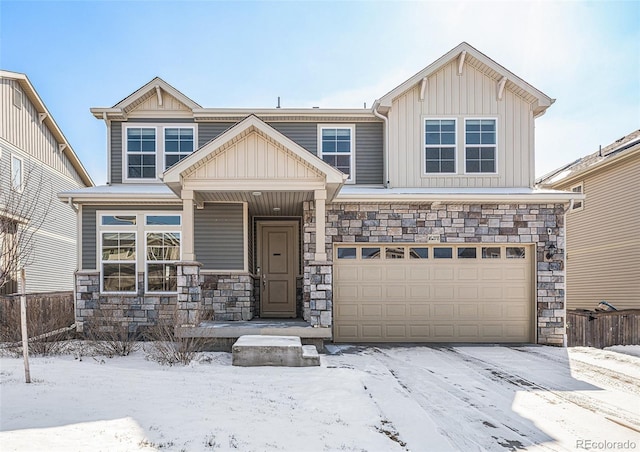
pixel 440 145
pixel 17 173
pixel 480 145
pixel 336 147
pixel 178 144
pixel 578 205
pixel 150 150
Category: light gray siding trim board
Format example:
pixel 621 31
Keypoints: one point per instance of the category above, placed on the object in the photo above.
pixel 219 236
pixel 90 234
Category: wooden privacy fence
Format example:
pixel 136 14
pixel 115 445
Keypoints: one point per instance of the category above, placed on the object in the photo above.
pixel 603 329
pixel 45 312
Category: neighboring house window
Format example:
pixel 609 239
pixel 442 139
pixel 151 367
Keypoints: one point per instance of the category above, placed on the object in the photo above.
pixel 336 147
pixel 578 205
pixel 17 97
pixel 480 145
pixel 150 150
pixel 131 241
pixel 17 173
pixel 141 153
pixel 178 144
pixel 440 145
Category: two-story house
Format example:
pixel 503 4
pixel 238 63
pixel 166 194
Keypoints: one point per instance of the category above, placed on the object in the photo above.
pixel 414 221
pixel 36 161
pixel 605 223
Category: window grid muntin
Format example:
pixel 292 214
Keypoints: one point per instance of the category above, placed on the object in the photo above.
pixel 163 256
pixel 141 152
pixel 125 258
pixel 578 205
pixel 440 137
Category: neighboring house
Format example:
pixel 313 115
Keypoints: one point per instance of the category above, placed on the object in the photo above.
pixel 36 162
pixel 414 221
pixel 603 230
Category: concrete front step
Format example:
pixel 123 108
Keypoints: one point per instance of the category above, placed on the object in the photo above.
pixel 258 350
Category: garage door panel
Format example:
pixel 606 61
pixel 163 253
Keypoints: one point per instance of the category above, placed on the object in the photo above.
pixel 419 310
pixel 396 310
pixel 371 292
pixel 433 300
pixel 371 311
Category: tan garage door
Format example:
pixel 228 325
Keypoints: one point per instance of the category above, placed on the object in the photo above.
pixel 433 293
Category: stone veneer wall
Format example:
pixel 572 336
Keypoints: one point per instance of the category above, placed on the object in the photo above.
pixel 96 313
pixel 228 297
pixel 454 223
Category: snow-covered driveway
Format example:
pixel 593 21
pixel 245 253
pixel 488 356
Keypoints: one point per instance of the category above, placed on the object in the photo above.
pixel 373 398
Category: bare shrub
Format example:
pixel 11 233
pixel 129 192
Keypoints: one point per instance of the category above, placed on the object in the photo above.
pixel 116 340
pixel 168 349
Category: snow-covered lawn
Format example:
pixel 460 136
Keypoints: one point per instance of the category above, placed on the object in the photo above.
pixel 376 398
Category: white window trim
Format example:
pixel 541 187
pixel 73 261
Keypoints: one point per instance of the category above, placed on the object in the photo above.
pixel 424 145
pixel 352 152
pixel 140 229
pixel 160 128
pixel 19 187
pixel 577 205
pixel 464 149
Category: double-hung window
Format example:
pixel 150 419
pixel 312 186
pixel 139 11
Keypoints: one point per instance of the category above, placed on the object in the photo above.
pixel 118 253
pixel 336 147
pixel 480 145
pixel 162 252
pixel 178 144
pixel 132 241
pixel 150 150
pixel 440 145
pixel 141 153
pixel 578 205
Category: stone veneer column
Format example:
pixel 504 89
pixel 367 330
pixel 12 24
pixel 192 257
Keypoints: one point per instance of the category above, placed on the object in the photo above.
pixel 189 294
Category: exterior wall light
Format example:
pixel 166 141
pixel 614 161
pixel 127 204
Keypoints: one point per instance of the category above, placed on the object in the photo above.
pixel 551 251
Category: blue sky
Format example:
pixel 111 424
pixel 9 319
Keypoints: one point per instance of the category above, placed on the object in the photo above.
pixel 82 54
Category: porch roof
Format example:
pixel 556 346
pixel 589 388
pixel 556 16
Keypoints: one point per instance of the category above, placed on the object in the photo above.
pixel 253 156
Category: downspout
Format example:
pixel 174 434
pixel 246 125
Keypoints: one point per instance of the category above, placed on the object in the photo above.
pixel 566 265
pixel 385 142
pixel 108 124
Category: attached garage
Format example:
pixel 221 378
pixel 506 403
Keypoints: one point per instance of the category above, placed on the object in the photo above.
pixel 433 293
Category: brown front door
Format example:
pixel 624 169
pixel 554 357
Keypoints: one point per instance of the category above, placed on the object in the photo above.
pixel 279 267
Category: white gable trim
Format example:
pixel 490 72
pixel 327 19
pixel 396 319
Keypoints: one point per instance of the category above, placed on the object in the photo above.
pixel 544 101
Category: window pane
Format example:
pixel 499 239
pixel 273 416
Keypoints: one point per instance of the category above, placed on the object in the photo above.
pixel 448 167
pixel 118 220
pixel 466 253
pixel 473 125
pixel 329 134
pixel 119 277
pixel 488 166
pixel 488 138
pixel 442 253
pixel 418 253
pixel 346 253
pixel 473 153
pixel 328 146
pixel 394 253
pixel 473 138
pixel 515 253
pixel 491 253
pixel 432 126
pixel 162 278
pixel 433 138
pixel 371 253
pixel 448 125
pixel 343 146
pixel 186 146
pixel 173 220
pixel 488 125
pixel 171 160
pixel 448 138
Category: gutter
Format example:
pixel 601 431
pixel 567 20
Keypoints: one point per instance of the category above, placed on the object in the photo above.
pixel 385 142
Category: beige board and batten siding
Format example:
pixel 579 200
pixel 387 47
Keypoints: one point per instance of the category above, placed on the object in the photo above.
pixel 22 128
pixel 603 239
pixel 391 299
pixel 473 94
pixel 251 157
